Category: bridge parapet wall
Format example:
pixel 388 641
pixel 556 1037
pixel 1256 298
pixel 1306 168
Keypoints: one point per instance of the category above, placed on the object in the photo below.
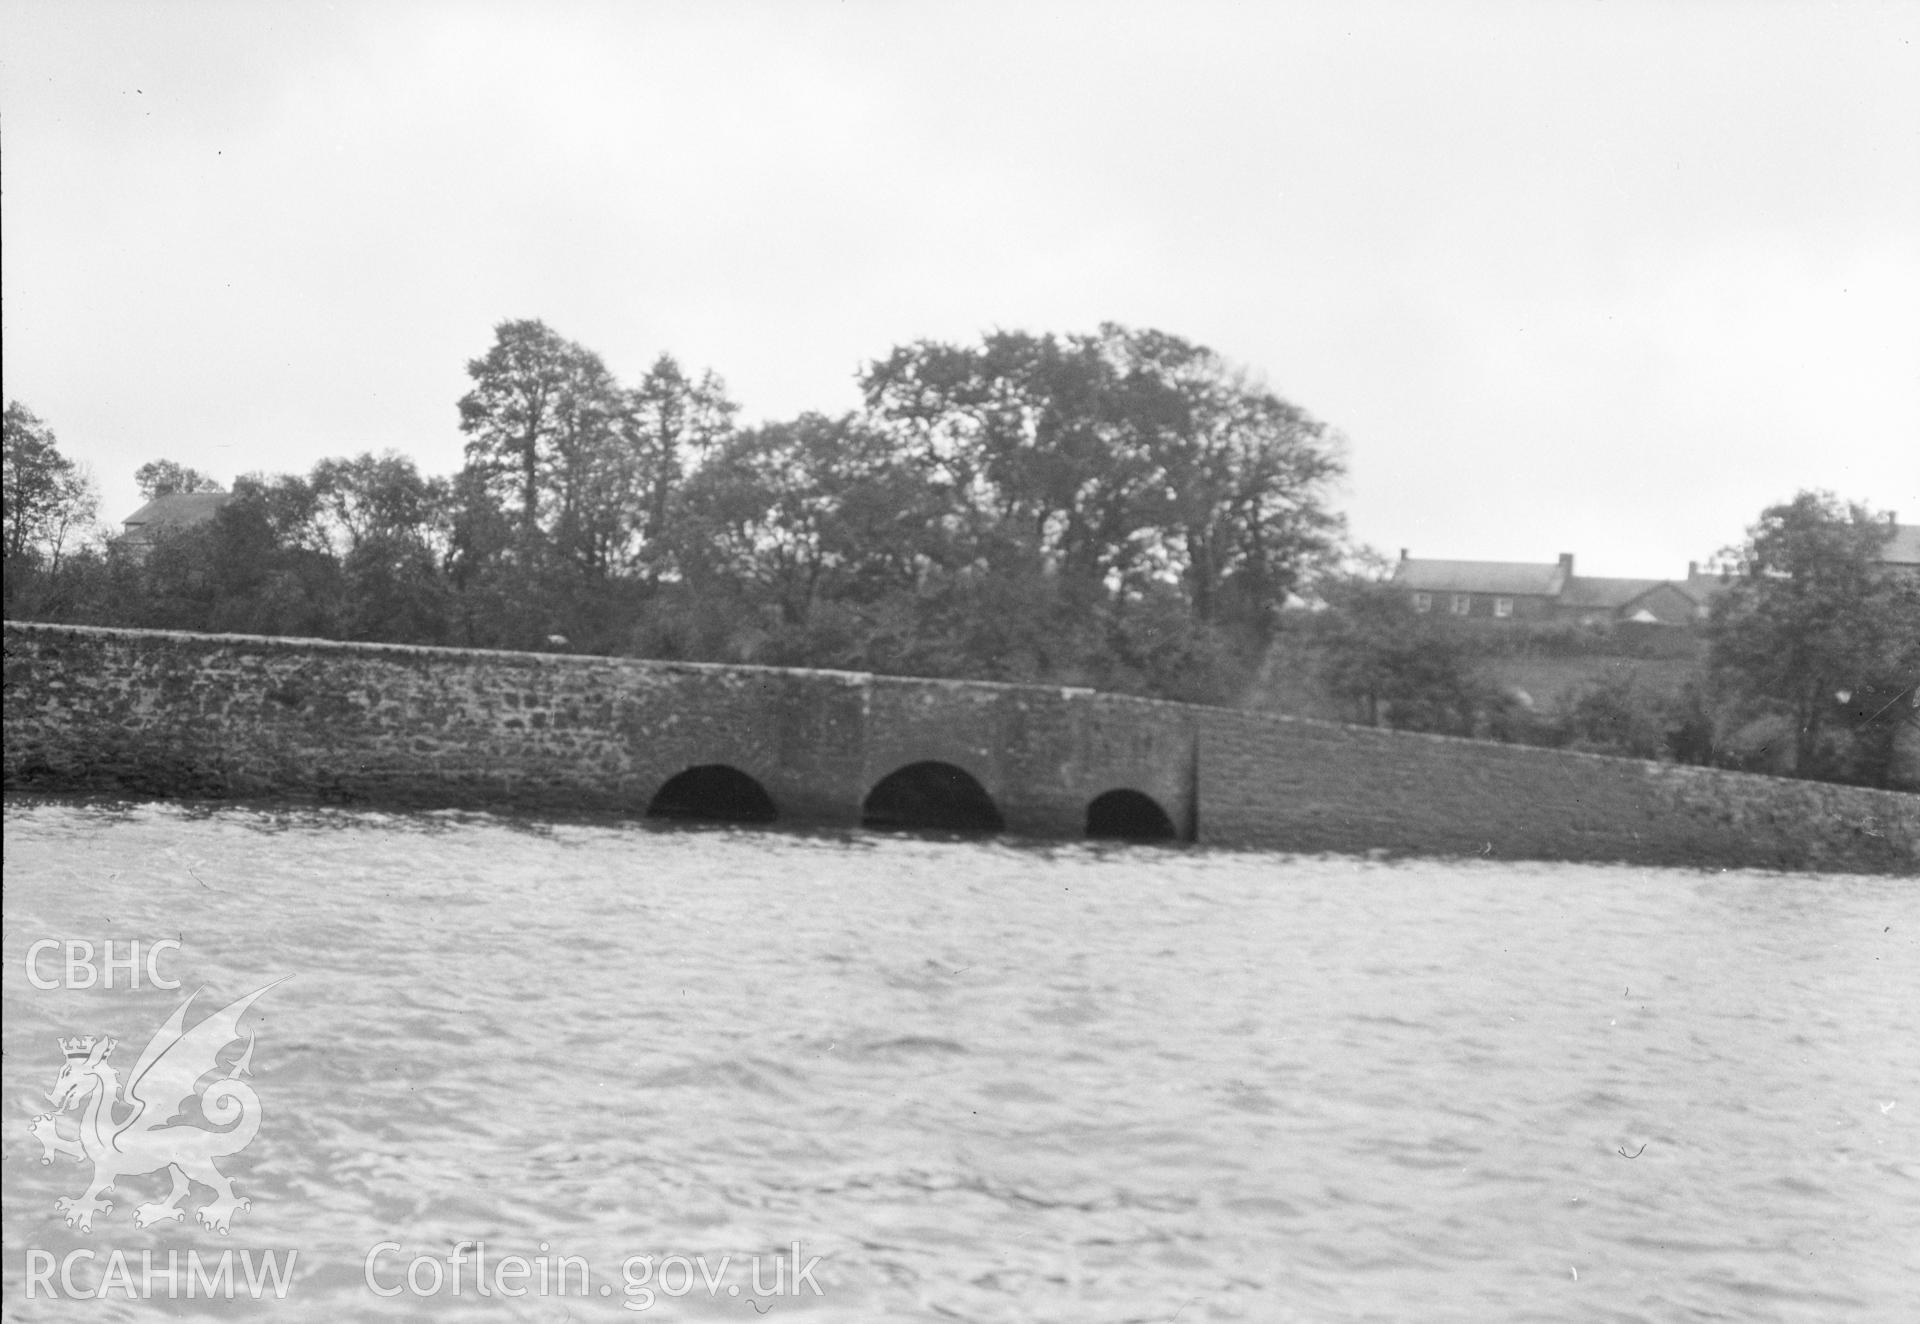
pixel 1267 780
pixel 238 715
pixel 152 712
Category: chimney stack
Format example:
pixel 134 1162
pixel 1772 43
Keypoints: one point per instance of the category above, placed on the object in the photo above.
pixel 1566 562
pixel 1693 571
pixel 1403 553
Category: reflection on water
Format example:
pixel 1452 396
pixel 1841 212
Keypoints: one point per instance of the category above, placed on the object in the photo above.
pixel 994 1082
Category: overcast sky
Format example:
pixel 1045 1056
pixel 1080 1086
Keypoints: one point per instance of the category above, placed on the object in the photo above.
pixel 1604 278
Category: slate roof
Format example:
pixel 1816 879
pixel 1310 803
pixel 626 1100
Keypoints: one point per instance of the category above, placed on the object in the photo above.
pixel 1546 579
pixel 1507 578
pixel 177 510
pixel 1904 547
pixel 1703 588
pixel 1589 591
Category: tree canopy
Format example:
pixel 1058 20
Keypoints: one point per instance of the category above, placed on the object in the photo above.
pixel 1814 621
pixel 1119 508
pixel 1121 463
pixel 158 478
pixel 49 500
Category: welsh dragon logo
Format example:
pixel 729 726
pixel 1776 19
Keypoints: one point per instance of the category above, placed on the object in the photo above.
pixel 145 1138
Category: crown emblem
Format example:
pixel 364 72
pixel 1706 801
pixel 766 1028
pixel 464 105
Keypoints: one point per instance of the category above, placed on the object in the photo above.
pixel 81 1047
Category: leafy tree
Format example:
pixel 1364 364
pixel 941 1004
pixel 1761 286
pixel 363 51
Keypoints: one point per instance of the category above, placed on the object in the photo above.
pixel 583 470
pixel 1120 508
pixel 390 529
pixel 1248 471
pixel 48 499
pixel 540 420
pixel 815 509
pixel 1611 715
pixel 1398 667
pixel 375 498
pixel 674 423
pixel 158 478
pixel 261 566
pixel 1813 620
pixel 1689 733
pixel 1017 434
pixel 1114 462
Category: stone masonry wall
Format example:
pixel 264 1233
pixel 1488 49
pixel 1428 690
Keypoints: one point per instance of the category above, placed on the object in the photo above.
pixel 1042 753
pixel 217 716
pixel 1288 784
pixel 231 715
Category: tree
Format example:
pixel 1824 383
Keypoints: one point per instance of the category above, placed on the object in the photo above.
pixel 1248 472
pixel 675 422
pixel 815 509
pixel 48 496
pixel 1610 714
pixel 373 498
pixel 1023 438
pixel 1813 620
pixel 388 526
pixel 584 470
pixel 1115 463
pixel 1394 664
pixel 158 478
pixel 541 421
pixel 1091 493
pixel 257 567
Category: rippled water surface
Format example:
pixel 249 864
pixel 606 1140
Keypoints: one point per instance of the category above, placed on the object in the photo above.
pixel 994 1082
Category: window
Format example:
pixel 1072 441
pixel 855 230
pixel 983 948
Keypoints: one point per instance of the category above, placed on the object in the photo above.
pixel 1462 603
pixel 1423 602
pixel 1503 607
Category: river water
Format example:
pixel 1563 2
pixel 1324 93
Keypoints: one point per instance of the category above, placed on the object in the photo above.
pixel 981 1080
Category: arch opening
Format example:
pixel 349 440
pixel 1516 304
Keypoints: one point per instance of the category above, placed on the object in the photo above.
pixel 930 795
pixel 1125 815
pixel 713 793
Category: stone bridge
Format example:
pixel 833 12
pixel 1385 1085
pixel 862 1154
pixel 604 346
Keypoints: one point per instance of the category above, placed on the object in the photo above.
pixel 235 716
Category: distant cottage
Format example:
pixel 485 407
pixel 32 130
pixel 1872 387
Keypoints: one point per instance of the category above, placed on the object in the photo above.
pixel 164 514
pixel 1902 552
pixel 1550 591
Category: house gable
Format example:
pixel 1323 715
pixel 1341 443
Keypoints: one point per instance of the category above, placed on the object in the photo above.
pixel 1504 590
pixel 176 510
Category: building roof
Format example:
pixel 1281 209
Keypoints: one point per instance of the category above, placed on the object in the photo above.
pixel 1904 547
pixel 1507 578
pixel 1704 588
pixel 176 510
pixel 1591 591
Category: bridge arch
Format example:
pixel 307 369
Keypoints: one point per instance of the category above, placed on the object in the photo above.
pixel 715 793
pixel 934 795
pixel 1129 815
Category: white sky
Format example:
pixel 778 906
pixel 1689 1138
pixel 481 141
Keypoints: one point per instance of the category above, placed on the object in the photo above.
pixel 1605 278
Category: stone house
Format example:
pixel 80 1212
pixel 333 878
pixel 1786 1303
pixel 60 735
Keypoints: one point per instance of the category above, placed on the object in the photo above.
pixel 1591 600
pixel 164 514
pixel 1902 552
pixel 1486 590
pixel 1546 591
